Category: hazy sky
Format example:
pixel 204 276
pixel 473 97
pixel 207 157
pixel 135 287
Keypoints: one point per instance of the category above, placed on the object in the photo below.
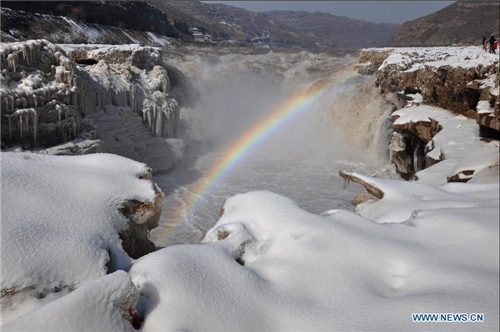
pixel 373 11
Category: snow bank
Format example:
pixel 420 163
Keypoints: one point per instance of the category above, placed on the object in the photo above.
pixel 100 305
pixel 269 265
pixel 457 143
pixel 60 223
pixel 413 58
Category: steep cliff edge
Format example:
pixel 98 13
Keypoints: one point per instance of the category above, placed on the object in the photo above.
pixel 100 98
pixel 462 84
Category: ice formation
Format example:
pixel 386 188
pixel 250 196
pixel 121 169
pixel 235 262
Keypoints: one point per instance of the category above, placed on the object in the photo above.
pixel 120 95
pixel 37 82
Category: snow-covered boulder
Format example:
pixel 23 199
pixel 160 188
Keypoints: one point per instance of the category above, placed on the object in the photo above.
pixel 268 265
pixel 69 220
pixel 104 304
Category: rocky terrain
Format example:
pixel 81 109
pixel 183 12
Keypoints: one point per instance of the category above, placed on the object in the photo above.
pixel 285 28
pixel 110 22
pixel 160 23
pixel 329 30
pixel 97 98
pixel 462 80
pixel 463 22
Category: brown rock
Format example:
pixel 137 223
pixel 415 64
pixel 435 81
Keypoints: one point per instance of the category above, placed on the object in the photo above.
pixel 142 217
pixel 364 198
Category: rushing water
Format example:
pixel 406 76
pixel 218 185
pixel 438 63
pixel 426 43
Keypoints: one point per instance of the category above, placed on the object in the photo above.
pixel 345 129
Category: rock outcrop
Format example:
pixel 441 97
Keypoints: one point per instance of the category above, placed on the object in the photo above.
pixel 463 80
pixel 142 217
pixel 117 95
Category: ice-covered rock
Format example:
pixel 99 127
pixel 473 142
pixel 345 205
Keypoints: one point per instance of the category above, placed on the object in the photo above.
pixel 41 95
pixel 127 97
pixel 53 94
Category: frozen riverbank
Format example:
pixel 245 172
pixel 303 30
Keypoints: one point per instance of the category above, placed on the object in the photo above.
pixel 267 262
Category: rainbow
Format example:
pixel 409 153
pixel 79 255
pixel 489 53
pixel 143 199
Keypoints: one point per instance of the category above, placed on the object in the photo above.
pixel 249 140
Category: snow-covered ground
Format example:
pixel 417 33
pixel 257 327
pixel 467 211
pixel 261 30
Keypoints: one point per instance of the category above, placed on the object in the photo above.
pixel 457 143
pixel 339 272
pixel 414 58
pixel 60 223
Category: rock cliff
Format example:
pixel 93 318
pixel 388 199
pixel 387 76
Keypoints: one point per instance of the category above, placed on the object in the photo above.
pixel 116 96
pixel 463 80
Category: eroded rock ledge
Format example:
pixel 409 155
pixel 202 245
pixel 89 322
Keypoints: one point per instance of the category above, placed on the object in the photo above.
pixel 463 80
pixel 142 218
pixel 454 78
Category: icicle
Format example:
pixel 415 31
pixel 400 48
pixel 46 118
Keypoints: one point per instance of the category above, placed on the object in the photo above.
pixel 27 123
pixel 35 124
pixel 10 128
pixel 21 126
pixel 12 60
pixel 58 109
pixel 74 129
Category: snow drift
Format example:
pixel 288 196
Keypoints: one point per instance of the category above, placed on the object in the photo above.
pixel 62 220
pixel 269 265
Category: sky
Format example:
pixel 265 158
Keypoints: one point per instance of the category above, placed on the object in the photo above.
pixel 372 11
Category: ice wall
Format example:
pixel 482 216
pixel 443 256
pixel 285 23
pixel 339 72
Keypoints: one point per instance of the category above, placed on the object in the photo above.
pixel 118 94
pixel 41 95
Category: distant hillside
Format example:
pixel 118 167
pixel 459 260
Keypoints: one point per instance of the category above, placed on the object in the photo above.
pixel 460 22
pixel 162 22
pixel 334 31
pixel 285 28
pixel 113 22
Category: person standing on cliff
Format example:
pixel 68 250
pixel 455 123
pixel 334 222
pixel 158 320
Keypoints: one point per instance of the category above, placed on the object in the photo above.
pixel 492 44
pixel 484 45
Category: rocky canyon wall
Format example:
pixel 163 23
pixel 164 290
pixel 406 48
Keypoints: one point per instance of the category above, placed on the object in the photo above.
pixel 93 98
pixel 463 80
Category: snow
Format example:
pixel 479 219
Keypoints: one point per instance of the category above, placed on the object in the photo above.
pixel 401 60
pixel 458 143
pixel 103 49
pixel 337 272
pixel 162 40
pixel 414 58
pixel 483 106
pixel 60 222
pixel 99 305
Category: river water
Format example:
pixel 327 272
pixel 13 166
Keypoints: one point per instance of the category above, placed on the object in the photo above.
pixel 345 128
